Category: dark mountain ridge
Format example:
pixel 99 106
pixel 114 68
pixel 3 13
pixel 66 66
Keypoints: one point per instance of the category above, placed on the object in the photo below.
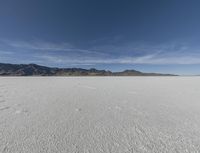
pixel 38 70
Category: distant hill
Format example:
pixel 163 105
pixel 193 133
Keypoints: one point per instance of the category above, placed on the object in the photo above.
pixel 38 70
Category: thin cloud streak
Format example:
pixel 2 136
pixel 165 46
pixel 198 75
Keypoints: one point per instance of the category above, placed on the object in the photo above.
pixel 147 59
pixel 65 53
pixel 3 52
pixel 48 46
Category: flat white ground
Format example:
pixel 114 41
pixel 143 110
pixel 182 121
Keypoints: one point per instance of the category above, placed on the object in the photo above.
pixel 99 114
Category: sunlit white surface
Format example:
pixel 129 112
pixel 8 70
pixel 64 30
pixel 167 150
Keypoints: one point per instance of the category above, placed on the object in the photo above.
pixel 99 114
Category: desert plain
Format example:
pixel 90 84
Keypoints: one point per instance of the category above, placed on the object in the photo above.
pixel 100 114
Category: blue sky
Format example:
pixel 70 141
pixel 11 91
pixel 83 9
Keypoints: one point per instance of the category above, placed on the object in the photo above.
pixel 151 36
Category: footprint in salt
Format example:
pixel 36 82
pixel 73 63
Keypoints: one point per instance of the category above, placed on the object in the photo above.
pixel 4 108
pixel 78 109
pixel 4 148
pixel 21 111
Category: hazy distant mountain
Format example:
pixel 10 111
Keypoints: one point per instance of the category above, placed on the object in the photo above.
pixel 37 70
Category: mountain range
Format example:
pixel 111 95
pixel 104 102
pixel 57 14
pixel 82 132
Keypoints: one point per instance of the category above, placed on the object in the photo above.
pixel 38 70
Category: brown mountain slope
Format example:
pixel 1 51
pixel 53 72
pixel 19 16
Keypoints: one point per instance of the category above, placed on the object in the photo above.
pixel 38 70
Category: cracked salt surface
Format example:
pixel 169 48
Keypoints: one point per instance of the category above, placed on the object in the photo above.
pixel 125 114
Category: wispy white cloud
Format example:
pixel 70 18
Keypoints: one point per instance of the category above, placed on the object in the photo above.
pixel 128 53
pixel 4 52
pixel 161 60
pixel 146 59
pixel 36 45
pixel 49 46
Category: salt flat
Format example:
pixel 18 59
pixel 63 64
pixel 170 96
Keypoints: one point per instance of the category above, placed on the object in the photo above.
pixel 99 114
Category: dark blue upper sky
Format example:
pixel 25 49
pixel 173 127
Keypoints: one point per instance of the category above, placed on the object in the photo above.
pixel 152 36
